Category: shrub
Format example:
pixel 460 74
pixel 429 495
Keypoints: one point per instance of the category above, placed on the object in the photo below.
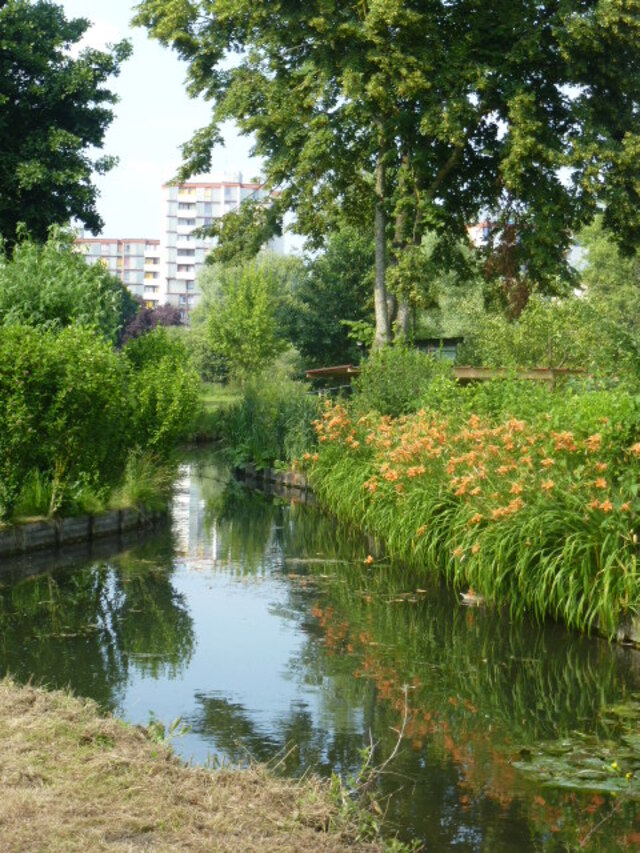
pixel 64 409
pixel 394 380
pixel 165 391
pixel 589 332
pixel 51 286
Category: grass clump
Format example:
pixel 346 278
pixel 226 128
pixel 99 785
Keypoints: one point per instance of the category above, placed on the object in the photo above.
pixel 147 483
pixel 74 780
pixel 272 423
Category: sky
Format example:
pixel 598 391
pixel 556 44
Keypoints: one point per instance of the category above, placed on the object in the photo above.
pixel 154 117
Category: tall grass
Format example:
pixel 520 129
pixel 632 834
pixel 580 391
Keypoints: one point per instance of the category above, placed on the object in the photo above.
pixel 271 424
pixel 147 483
pixel 525 512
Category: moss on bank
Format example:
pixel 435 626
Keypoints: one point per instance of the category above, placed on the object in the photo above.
pixel 74 780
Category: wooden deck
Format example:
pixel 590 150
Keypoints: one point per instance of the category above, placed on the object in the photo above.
pixel 464 375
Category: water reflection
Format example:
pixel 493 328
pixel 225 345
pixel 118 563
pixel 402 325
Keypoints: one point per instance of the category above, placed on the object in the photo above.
pixel 259 624
pixel 91 627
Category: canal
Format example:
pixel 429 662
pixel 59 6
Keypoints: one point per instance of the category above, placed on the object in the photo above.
pixel 257 629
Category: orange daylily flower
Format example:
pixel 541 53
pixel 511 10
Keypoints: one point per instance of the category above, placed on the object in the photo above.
pixel 547 486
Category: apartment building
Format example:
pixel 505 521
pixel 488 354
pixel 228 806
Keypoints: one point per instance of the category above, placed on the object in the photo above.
pixel 165 271
pixel 187 208
pixel 136 262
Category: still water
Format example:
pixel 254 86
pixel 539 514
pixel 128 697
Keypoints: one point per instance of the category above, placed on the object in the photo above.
pixel 259 625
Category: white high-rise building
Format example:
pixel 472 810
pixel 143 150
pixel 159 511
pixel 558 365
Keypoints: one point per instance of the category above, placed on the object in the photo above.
pixel 189 207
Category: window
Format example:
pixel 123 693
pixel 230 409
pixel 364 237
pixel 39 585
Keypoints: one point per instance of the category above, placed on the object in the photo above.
pixel 186 205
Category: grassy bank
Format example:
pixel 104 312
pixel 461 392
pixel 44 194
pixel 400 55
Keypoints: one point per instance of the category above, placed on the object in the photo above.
pixel 75 780
pixel 524 512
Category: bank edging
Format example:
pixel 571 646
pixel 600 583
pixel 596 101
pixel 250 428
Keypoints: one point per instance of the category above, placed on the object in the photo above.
pixel 52 534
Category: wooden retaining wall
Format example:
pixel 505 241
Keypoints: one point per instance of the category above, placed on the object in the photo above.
pixel 40 535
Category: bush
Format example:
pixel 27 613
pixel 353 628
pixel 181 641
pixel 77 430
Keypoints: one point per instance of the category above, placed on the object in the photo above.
pixel 65 409
pixel 394 380
pixel 51 286
pixel 589 333
pixel 165 390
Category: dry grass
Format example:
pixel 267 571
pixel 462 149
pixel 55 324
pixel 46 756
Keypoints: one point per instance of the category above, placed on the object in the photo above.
pixel 73 780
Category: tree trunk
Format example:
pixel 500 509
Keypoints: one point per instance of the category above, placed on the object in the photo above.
pixel 383 324
pixel 403 320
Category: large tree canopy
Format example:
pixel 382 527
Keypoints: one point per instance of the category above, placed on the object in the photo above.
pixel 54 111
pixel 426 114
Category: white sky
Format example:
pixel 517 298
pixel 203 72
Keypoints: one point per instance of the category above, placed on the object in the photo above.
pixel 153 118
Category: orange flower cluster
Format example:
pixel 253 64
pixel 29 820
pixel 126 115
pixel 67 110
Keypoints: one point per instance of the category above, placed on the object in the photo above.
pixel 493 471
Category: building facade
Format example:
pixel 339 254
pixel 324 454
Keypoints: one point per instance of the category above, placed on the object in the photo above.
pixel 135 261
pixel 165 271
pixel 188 208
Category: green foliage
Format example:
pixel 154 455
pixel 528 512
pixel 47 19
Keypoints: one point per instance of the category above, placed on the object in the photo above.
pixel 165 389
pixel 451 126
pixel 272 424
pixel 242 323
pixel 244 232
pixel 64 409
pixel 333 295
pixel 55 111
pixel 394 381
pixel 51 286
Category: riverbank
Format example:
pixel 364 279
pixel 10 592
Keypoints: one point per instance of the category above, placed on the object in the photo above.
pixel 74 780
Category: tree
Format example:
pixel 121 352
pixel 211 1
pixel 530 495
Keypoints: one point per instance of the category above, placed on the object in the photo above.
pixel 51 286
pixel 54 111
pixel 148 319
pixel 335 289
pixel 422 115
pixel 242 319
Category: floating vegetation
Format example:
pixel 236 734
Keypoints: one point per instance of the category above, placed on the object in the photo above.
pixel 588 763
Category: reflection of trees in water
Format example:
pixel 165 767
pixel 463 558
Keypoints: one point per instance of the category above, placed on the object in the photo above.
pixel 481 687
pixel 88 627
pixel 258 533
pixel 294 743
